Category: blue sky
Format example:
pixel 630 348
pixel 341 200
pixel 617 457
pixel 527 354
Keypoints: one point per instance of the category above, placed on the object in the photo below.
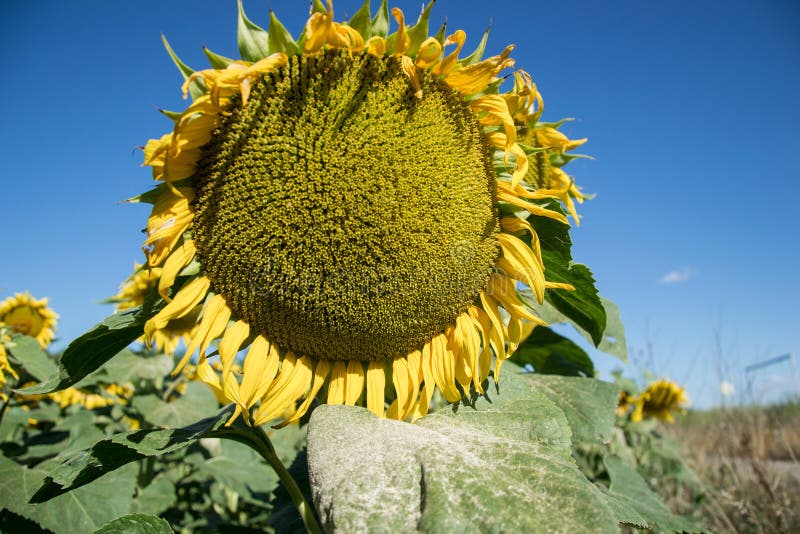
pixel 690 109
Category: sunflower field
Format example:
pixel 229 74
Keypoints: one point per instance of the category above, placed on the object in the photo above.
pixel 342 319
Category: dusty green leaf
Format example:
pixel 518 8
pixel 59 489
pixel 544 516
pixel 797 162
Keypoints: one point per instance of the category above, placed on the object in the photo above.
pixel 635 504
pixel 501 464
pixel 136 524
pixel 587 403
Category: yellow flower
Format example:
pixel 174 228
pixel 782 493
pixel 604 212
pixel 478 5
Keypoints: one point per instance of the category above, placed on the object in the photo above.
pixel 114 394
pixel 5 371
pixel 356 205
pixel 624 402
pixel 661 399
pixel 28 316
pixel 132 293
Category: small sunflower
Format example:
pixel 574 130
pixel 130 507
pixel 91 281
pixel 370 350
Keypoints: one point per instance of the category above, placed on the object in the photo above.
pixel 5 371
pixel 132 293
pixel 351 210
pixel 661 399
pixel 624 402
pixel 29 316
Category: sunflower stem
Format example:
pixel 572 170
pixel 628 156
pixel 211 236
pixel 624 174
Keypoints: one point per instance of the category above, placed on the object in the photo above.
pixel 257 439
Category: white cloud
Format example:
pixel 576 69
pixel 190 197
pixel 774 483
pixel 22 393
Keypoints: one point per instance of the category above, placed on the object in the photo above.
pixel 677 276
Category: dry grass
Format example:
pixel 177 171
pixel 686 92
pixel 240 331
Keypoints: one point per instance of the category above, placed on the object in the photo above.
pixel 748 460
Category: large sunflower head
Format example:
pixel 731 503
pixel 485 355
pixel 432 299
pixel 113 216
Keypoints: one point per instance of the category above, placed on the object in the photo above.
pixel 26 315
pixel 660 399
pixel 348 210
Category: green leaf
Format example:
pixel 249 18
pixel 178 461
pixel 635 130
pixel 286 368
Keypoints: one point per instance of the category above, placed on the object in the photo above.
pixel 587 403
pixel 583 305
pixel 217 61
pixel 118 450
pixel 380 23
pixel 361 22
pixel 633 502
pixel 419 32
pixel 136 524
pixel 253 40
pixel 197 402
pixel 27 352
pixel 502 464
pixel 318 7
pixel 280 40
pixel 552 354
pixel 80 511
pixel 613 342
pixel 197 87
pixel 94 348
pixel 237 466
pixel 157 497
pixel 129 366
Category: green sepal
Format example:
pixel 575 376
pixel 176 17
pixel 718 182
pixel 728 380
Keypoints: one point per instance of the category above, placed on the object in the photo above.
pixel 318 7
pixel 361 21
pixel 217 61
pixel 558 159
pixel 280 40
pixel 441 34
pixel 253 41
pixel 150 197
pixel 380 23
pixel 197 87
pixel 477 55
pixel 174 116
pixel 419 32
pixel 555 125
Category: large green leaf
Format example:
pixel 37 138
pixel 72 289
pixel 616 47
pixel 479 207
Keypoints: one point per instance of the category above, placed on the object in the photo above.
pixel 237 466
pixel 502 464
pixel 156 497
pixel 635 504
pixel 613 341
pixel 588 404
pixel 94 348
pixel 27 352
pixel 136 524
pixel 118 450
pixel 583 305
pixel 553 354
pixel 197 402
pixel 80 511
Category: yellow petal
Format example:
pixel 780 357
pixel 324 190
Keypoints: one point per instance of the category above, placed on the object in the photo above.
pixel 187 298
pixel 231 342
pixel 376 383
pixel 354 384
pixel 402 41
pixel 176 261
pixel 320 374
pixel 336 384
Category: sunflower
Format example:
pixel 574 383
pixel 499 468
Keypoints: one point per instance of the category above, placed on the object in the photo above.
pixel 26 315
pixel 661 399
pixel 349 210
pixel 133 292
pixel 5 371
